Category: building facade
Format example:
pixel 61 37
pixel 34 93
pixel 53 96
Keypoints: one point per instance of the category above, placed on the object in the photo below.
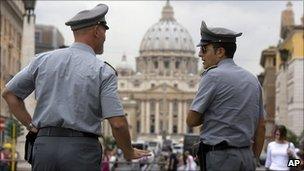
pixel 289 74
pixel 17 50
pixel 11 40
pixel 47 38
pixel 268 62
pixel 157 95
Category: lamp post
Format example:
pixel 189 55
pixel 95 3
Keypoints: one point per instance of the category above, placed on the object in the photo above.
pixel 29 6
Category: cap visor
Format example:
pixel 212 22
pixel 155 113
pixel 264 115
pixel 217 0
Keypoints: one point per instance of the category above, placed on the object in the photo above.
pixel 106 26
pixel 202 44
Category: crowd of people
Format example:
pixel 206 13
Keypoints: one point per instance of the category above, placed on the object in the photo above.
pixel 6 157
pixel 279 152
pixel 113 160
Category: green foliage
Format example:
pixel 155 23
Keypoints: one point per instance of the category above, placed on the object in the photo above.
pixel 292 138
pixel 109 142
pixel 9 127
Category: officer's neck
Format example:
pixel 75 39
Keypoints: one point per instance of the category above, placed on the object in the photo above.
pixel 88 42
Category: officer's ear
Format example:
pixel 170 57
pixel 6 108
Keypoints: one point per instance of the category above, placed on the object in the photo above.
pixel 99 30
pixel 220 52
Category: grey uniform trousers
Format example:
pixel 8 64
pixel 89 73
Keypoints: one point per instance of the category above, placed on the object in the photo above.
pixel 230 160
pixel 66 154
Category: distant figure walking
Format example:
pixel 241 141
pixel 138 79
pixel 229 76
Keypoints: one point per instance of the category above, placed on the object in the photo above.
pixel 278 151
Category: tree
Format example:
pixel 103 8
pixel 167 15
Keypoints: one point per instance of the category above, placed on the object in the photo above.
pixel 109 142
pixel 292 137
pixel 12 125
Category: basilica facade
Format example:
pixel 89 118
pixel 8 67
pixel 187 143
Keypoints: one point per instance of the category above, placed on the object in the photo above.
pixel 157 95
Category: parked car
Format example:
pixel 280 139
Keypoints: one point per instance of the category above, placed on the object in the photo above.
pixel 178 148
pixel 154 146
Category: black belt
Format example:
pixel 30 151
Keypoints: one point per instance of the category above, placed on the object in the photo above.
pixel 221 146
pixel 205 148
pixel 63 132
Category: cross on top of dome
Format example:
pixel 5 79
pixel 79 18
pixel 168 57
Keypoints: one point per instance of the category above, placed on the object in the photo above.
pixel 167 13
pixel 124 58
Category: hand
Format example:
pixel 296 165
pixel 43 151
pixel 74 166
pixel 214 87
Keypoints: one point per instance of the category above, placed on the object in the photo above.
pixel 34 129
pixel 289 152
pixel 136 154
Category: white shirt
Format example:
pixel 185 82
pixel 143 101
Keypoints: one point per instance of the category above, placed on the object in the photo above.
pixel 277 157
pixel 191 165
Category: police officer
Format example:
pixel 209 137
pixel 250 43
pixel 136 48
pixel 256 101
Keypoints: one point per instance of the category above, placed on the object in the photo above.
pixel 74 91
pixel 228 104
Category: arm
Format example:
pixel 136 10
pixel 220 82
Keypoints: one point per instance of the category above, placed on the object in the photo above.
pixel 194 118
pixel 120 130
pixel 17 107
pixel 268 157
pixel 259 138
pixel 291 151
pixel 203 98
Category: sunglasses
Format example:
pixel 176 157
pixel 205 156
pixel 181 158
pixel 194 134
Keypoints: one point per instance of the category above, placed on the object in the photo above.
pixel 204 48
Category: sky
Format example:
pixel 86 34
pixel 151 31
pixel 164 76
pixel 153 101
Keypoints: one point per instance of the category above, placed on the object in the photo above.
pixel 259 21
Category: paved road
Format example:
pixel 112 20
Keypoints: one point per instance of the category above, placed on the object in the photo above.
pixel 22 166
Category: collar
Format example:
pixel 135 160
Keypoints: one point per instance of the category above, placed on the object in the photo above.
pixel 226 61
pixel 83 47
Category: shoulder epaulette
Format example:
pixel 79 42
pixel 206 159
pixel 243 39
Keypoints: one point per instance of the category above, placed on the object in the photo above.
pixel 212 67
pixel 111 67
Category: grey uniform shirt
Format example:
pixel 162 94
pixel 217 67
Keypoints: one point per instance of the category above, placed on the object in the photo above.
pixel 72 87
pixel 230 100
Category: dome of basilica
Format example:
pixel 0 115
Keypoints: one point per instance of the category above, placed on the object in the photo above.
pixel 124 64
pixel 167 35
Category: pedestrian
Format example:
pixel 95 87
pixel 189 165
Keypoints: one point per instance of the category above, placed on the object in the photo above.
pixel 74 92
pixel 279 150
pixel 181 165
pixel 173 161
pixel 113 160
pixel 190 165
pixel 4 159
pixel 106 160
pixel 228 104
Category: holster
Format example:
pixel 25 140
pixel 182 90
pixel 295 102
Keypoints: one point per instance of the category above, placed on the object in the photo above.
pixel 201 154
pixel 29 144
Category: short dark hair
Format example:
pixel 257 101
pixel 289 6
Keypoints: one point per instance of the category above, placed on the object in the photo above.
pixel 283 131
pixel 230 48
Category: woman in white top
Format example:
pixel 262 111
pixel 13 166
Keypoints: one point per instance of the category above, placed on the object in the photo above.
pixel 190 163
pixel 279 150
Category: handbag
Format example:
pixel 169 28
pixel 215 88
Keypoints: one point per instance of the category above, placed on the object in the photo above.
pixel 290 157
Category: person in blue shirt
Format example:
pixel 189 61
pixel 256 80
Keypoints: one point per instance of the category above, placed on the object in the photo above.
pixel 228 105
pixel 74 92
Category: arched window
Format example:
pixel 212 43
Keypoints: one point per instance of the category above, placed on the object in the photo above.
pixel 166 64
pixel 175 129
pixel 152 126
pixel 177 63
pixel 155 64
pixel 152 106
pixel 175 106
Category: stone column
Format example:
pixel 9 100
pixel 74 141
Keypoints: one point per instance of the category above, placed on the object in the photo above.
pixel 185 112
pixel 142 117
pixel 157 118
pixel 179 118
pixel 170 118
pixel 147 117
